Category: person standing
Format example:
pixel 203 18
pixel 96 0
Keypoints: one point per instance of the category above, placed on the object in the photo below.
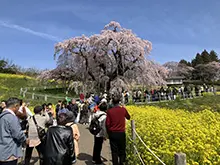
pixel 115 124
pixel 41 117
pixel 59 146
pixel 81 97
pixel 76 133
pixel 73 107
pixel 58 107
pixel 11 136
pixel 102 135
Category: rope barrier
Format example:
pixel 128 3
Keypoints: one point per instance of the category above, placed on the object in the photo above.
pixel 136 150
pixel 149 148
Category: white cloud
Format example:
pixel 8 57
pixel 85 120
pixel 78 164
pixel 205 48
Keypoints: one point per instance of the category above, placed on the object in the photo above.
pixel 30 31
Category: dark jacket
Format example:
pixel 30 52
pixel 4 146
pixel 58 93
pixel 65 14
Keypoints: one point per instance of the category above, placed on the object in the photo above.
pixel 59 147
pixel 74 108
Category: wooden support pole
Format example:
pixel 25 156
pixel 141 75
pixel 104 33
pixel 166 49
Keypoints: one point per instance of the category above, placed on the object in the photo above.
pixel 180 159
pixel 24 92
pixel 32 96
pixel 133 135
pixel 45 98
pixel 21 90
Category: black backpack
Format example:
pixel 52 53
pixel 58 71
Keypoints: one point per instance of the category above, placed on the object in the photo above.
pixel 94 126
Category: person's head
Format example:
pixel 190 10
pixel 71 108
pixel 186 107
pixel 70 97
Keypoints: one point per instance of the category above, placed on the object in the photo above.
pixel 116 99
pixel 38 109
pixel 73 101
pixel 21 102
pixel 70 116
pixel 63 105
pixel 62 119
pixel 49 106
pixel 3 104
pixel 44 106
pixel 13 104
pixel 59 102
pixel 103 106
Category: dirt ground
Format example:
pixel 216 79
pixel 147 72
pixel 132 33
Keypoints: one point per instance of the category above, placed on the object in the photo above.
pixel 86 149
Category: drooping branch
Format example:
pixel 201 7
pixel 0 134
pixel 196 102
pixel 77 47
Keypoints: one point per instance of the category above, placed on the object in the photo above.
pixel 113 54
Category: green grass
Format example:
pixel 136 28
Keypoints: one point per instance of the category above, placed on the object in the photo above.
pixel 10 85
pixel 57 92
pixel 211 102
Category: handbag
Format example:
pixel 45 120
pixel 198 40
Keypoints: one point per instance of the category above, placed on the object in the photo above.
pixel 40 131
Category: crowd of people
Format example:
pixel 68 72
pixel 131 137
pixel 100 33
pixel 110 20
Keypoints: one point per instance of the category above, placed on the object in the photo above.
pixel 168 93
pixel 54 131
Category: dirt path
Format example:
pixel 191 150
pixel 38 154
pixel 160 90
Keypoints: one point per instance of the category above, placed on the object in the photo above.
pixel 86 149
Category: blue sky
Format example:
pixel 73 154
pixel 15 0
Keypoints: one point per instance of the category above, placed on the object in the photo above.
pixel 177 29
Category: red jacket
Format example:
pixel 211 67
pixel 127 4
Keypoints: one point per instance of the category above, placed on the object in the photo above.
pixel 115 120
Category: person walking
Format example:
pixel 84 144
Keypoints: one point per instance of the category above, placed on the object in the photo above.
pixel 59 146
pixel 41 117
pixel 115 124
pixel 102 135
pixel 76 133
pixel 11 136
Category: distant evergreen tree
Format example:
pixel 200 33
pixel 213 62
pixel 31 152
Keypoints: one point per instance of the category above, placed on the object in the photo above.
pixel 197 60
pixel 183 62
pixel 213 56
pixel 205 57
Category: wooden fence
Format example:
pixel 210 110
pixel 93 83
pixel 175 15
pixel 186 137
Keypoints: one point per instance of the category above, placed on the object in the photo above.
pixel 179 158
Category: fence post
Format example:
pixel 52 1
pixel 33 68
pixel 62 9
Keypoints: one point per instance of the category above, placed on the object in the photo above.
pixel 32 96
pixel 180 159
pixel 24 94
pixel 45 98
pixel 133 135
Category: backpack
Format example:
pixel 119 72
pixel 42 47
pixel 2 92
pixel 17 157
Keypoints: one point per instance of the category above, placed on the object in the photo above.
pixel 94 126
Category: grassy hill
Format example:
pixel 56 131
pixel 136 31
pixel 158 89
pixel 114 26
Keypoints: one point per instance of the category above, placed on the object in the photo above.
pixel 209 101
pixel 10 87
pixel 10 84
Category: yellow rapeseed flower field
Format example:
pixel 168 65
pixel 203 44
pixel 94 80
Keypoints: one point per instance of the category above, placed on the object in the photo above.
pixel 5 75
pixel 167 132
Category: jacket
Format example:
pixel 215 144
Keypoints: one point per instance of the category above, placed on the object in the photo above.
pixel 11 136
pixel 102 119
pixel 41 121
pixel 59 146
pixel 115 121
pixel 74 108
pixel 76 136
